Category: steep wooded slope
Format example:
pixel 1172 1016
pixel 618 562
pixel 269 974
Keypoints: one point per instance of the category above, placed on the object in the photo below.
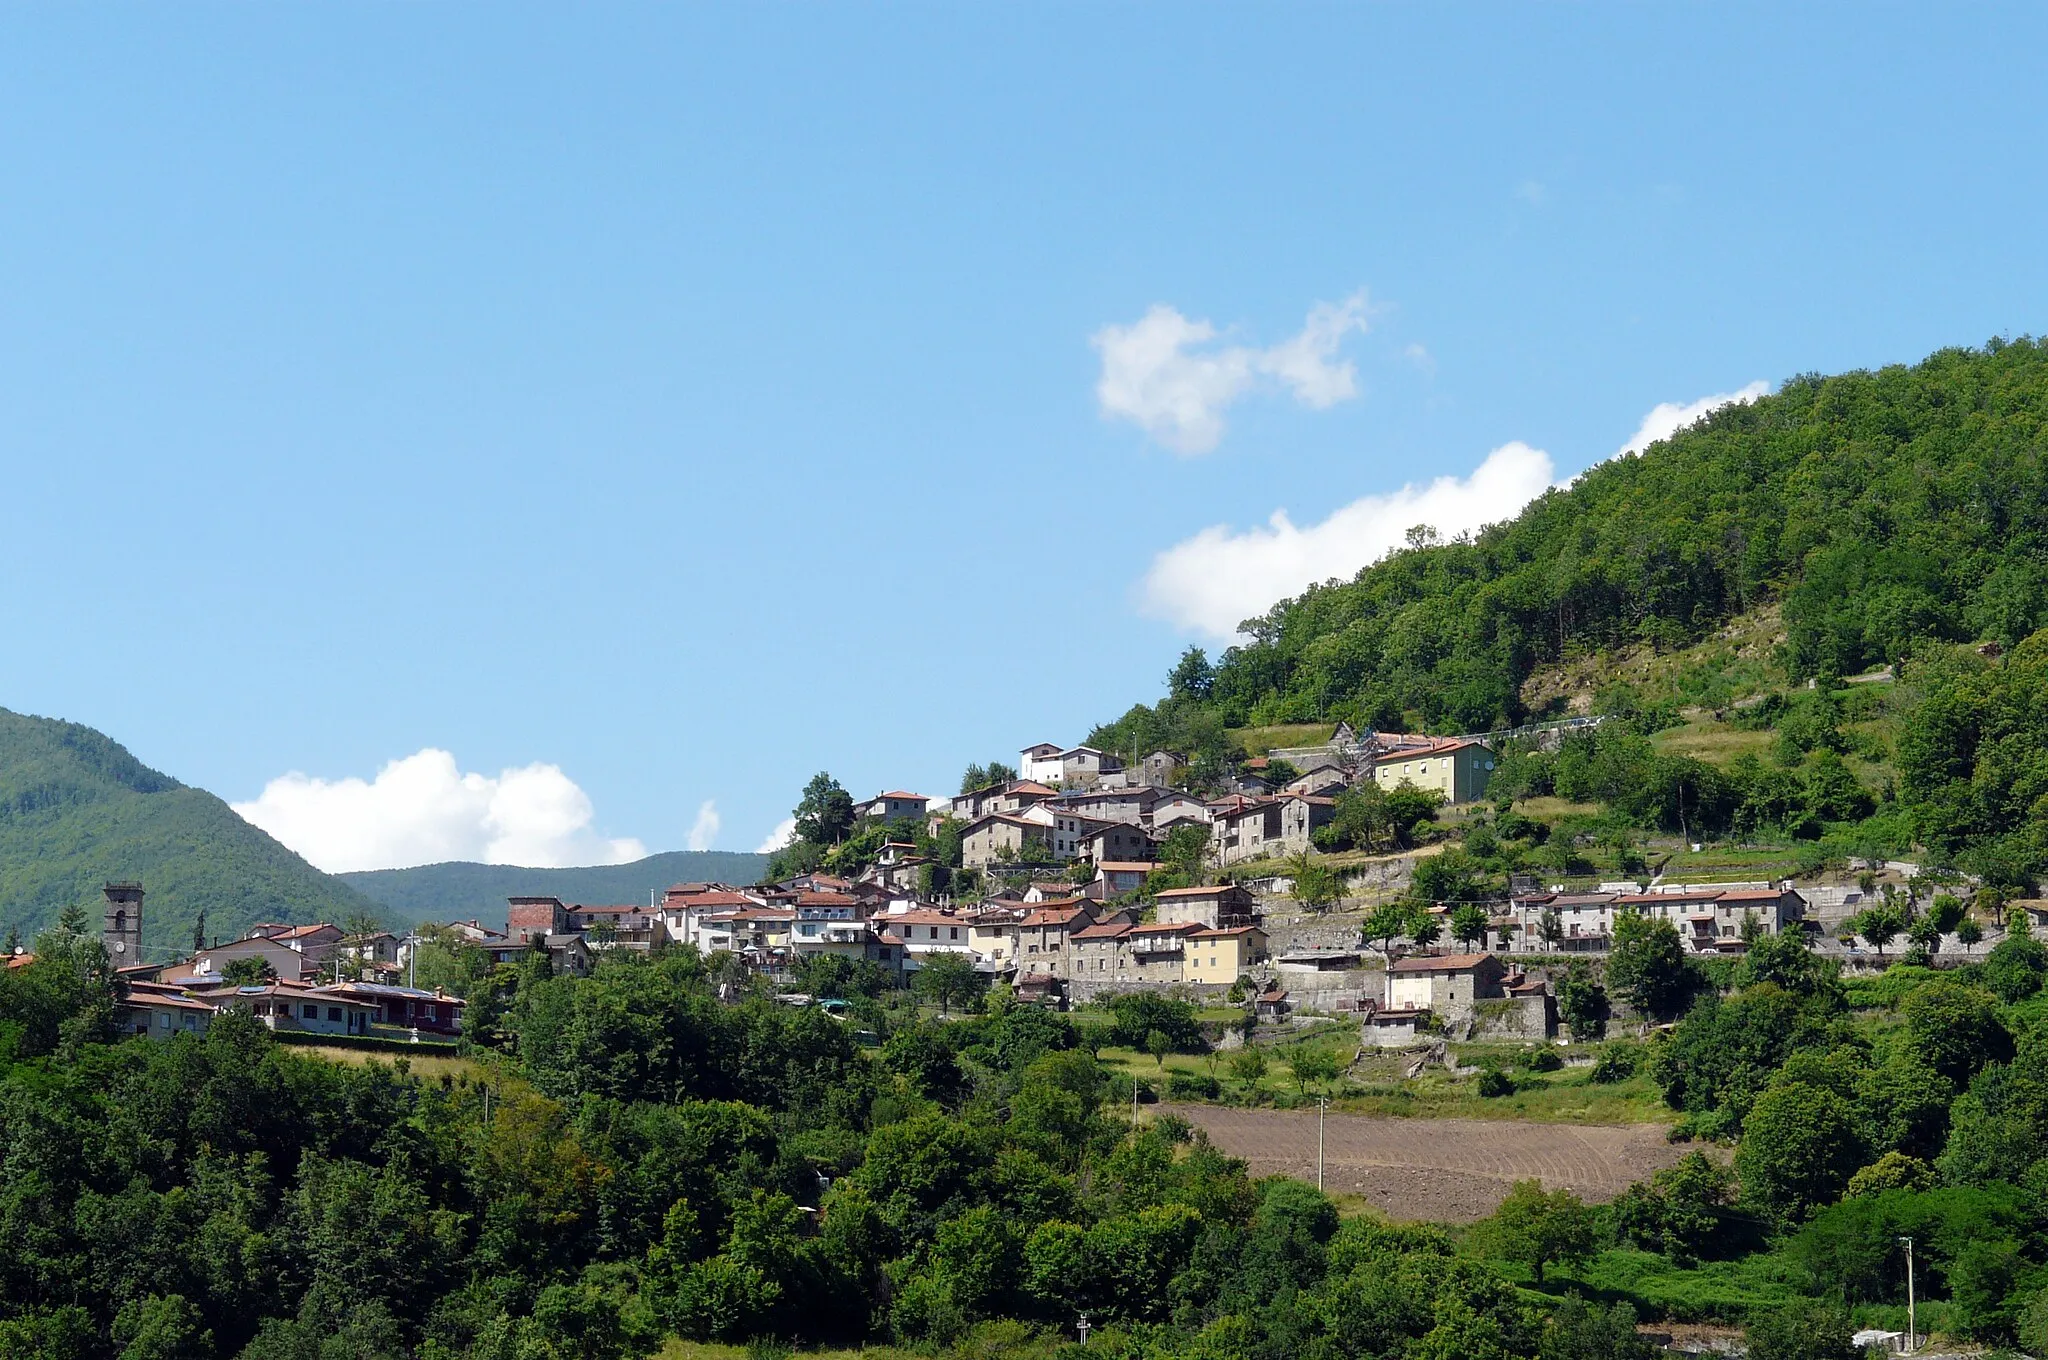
pixel 76 809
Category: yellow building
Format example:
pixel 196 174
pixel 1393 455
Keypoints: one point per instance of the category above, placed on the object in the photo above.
pixel 1456 767
pixel 1223 956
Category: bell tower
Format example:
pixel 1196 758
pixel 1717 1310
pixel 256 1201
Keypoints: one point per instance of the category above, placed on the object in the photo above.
pixel 122 932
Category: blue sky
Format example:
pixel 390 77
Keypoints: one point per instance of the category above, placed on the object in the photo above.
pixel 689 400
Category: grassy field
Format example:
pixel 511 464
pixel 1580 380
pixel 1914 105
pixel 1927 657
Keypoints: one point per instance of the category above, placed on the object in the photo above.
pixel 1259 740
pixel 429 1064
pixel 1550 809
pixel 1375 1085
pixel 1717 743
pixel 1726 862
pixel 1712 1291
pixel 1565 1097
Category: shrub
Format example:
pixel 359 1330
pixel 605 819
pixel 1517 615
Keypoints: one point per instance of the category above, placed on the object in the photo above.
pixel 1616 1062
pixel 1807 1330
pixel 1192 1086
pixel 1494 1082
pixel 2015 967
pixel 1538 1060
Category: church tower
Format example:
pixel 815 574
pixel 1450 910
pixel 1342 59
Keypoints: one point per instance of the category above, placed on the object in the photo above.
pixel 122 933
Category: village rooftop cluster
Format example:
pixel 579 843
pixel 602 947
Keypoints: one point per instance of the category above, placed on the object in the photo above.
pixel 1072 911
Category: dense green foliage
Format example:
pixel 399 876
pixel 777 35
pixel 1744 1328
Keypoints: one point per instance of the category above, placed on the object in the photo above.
pixel 77 810
pixel 647 1160
pixel 462 891
pixel 1881 509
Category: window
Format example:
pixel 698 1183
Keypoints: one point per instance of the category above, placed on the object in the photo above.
pixel 334 1013
pixel 952 932
pixel 310 1011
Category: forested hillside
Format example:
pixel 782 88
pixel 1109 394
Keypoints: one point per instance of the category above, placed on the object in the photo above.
pixel 464 891
pixel 1880 508
pixel 76 809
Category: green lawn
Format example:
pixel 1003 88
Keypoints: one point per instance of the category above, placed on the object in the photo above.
pixel 1259 740
pixel 430 1063
pixel 1714 742
pixel 1375 1084
pixel 1550 809
pixel 1712 1291
pixel 1539 1097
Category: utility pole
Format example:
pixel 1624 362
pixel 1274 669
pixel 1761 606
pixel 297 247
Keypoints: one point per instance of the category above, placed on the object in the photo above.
pixel 1322 1103
pixel 1912 1319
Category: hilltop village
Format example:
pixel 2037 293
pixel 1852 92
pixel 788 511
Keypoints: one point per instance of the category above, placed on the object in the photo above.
pixel 1072 877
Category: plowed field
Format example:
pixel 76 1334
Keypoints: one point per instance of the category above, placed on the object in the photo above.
pixel 1439 1170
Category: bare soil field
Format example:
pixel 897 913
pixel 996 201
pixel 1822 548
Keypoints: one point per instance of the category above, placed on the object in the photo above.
pixel 1437 1170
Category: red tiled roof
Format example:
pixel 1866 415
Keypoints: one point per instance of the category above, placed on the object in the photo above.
pixel 1053 914
pixel 899 794
pixel 1426 746
pixel 1102 932
pixel 826 899
pixel 1196 892
pixel 716 897
pixel 918 916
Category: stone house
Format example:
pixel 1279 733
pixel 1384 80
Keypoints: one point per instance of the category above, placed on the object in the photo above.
pixel 1116 843
pixel 1160 769
pixel 1083 766
pixel 1043 934
pixel 1447 984
pixel 1098 953
pixel 890 807
pixel 1221 906
pixel 1130 805
pixel 987 839
pixel 1249 829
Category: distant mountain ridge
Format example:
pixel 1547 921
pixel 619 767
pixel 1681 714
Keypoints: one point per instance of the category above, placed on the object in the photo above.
pixel 77 810
pixel 462 890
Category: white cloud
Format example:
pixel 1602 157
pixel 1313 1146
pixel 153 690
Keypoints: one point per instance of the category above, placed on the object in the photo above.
pixel 782 835
pixel 423 809
pixel 1156 373
pixel 1667 418
pixel 704 831
pixel 1214 581
pixel 1218 578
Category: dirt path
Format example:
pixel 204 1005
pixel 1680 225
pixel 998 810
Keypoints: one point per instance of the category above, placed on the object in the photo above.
pixel 1441 1170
